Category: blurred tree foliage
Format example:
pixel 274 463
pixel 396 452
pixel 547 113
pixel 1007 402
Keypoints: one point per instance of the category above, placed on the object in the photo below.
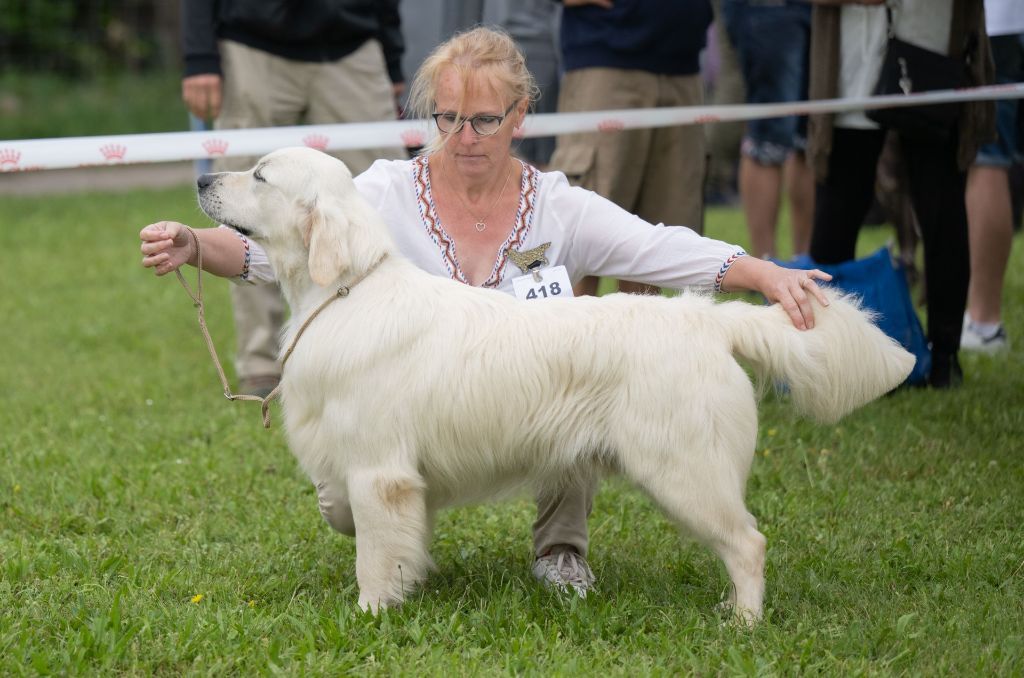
pixel 83 37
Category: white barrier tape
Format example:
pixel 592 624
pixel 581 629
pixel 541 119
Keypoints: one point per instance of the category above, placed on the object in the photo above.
pixel 41 154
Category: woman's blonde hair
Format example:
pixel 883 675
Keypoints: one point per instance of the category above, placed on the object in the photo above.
pixel 479 55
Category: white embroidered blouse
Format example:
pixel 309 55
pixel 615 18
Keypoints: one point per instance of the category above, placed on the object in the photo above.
pixel 589 235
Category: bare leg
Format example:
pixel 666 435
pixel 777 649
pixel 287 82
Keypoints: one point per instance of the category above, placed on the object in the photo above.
pixel 990 233
pixel 760 186
pixel 800 186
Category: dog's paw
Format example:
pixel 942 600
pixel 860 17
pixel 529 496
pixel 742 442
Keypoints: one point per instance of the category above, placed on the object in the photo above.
pixel 737 617
pixel 375 603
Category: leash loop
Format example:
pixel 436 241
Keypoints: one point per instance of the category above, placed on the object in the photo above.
pixel 197 302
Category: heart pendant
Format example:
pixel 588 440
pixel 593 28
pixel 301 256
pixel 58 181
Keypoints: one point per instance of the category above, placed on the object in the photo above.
pixel 480 226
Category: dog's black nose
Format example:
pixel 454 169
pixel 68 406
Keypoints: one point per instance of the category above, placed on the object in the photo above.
pixel 205 180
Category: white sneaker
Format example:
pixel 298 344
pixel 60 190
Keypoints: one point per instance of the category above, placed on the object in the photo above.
pixel 563 569
pixel 973 340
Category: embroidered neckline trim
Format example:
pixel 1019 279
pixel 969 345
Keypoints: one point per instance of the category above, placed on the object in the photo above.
pixel 444 242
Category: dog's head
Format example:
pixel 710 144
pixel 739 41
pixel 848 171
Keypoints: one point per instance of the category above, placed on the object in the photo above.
pixel 303 208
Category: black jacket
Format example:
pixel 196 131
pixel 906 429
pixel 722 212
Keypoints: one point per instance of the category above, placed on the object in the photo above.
pixel 301 30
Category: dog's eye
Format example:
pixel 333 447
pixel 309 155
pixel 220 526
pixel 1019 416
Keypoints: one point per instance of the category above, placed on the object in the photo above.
pixel 258 176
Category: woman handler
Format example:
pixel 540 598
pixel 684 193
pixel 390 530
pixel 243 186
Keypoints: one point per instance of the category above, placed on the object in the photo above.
pixel 467 209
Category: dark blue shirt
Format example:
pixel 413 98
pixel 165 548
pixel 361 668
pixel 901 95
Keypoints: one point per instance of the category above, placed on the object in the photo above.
pixel 657 36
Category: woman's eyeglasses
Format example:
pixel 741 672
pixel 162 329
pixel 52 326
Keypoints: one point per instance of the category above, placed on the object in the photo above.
pixel 483 125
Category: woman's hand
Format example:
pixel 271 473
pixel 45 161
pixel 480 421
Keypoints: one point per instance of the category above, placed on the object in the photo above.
pixel 789 287
pixel 792 288
pixel 167 246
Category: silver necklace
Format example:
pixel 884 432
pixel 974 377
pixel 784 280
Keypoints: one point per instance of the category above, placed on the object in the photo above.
pixel 481 222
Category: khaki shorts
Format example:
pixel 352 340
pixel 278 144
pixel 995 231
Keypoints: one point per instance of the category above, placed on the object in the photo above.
pixel 658 173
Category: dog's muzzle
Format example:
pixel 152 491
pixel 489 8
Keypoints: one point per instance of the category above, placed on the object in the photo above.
pixel 211 203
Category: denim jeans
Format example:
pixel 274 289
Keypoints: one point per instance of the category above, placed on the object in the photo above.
pixel 1008 54
pixel 772 38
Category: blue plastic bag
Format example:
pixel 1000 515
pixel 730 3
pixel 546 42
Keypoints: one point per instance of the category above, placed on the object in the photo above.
pixel 881 283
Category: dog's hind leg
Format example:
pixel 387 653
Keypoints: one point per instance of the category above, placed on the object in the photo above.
pixel 706 500
pixel 743 552
pixel 392 529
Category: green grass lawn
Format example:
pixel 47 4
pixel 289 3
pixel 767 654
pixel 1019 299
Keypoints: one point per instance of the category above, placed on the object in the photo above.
pixel 148 526
pixel 36 106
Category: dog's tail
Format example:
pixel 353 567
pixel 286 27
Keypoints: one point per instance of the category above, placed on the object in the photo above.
pixel 841 364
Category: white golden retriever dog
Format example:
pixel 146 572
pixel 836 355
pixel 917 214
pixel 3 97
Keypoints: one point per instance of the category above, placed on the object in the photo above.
pixel 416 392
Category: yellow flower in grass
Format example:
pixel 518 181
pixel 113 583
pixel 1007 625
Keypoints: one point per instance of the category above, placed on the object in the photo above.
pixel 197 598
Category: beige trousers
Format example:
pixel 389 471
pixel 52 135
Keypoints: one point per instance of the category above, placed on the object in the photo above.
pixel 657 174
pixel 263 90
pixel 561 517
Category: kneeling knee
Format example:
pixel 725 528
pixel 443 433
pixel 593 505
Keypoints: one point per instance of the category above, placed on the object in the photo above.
pixel 336 512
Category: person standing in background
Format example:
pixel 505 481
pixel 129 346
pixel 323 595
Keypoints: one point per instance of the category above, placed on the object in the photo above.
pixel 724 138
pixel 635 54
pixel 773 41
pixel 848 45
pixel 533 24
pixel 258 64
pixel 989 204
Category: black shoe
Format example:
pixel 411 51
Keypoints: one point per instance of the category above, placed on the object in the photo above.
pixel 946 372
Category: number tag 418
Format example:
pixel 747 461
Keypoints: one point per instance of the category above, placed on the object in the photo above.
pixel 545 283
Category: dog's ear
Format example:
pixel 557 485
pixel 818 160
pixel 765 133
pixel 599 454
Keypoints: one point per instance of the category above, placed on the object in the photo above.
pixel 328 247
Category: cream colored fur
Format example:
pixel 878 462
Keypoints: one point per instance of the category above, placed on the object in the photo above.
pixel 416 392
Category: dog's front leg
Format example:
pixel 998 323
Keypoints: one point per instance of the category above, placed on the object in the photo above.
pixel 392 529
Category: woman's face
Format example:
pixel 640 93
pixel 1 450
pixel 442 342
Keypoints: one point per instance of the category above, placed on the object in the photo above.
pixel 469 153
